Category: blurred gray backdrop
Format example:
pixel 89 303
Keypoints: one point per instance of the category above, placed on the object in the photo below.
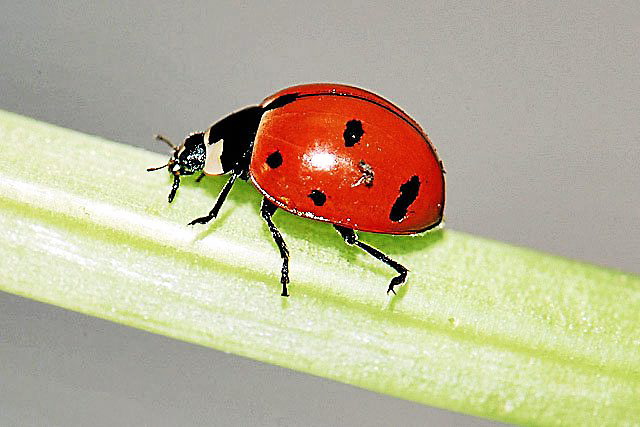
pixel 533 106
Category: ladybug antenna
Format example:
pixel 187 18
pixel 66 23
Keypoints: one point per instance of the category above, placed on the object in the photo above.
pixel 174 187
pixel 158 168
pixel 166 141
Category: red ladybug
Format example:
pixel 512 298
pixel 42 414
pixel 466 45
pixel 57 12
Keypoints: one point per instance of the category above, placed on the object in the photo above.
pixel 328 152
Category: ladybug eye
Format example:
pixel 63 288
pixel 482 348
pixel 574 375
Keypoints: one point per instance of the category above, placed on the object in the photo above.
pixel 352 132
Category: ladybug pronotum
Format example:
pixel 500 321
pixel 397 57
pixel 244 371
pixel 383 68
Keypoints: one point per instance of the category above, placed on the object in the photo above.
pixel 328 152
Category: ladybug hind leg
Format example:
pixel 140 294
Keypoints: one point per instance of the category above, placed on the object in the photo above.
pixel 266 211
pixel 351 238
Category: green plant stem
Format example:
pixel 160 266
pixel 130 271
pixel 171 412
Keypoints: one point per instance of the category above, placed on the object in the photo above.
pixel 481 327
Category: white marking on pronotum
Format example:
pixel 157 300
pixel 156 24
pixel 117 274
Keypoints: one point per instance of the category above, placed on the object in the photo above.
pixel 213 161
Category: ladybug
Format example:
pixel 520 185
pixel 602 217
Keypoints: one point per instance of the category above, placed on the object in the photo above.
pixel 328 152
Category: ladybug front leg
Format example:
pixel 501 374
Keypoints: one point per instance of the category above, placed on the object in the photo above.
pixel 267 210
pixel 216 208
pixel 351 238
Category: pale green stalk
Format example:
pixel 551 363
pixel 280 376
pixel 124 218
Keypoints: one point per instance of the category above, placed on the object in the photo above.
pixel 481 327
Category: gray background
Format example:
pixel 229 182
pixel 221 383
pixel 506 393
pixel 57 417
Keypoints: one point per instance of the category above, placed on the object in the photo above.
pixel 533 107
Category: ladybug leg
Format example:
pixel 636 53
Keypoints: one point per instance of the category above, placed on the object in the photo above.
pixel 202 175
pixel 267 210
pixel 216 208
pixel 351 238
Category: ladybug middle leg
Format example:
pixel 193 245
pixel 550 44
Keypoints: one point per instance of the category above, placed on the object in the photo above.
pixel 351 238
pixel 216 208
pixel 267 210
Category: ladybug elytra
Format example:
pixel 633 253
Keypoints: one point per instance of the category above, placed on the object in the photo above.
pixel 328 152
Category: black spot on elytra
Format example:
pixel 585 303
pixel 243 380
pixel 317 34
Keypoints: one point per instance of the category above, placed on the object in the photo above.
pixel 408 194
pixel 353 132
pixel 274 159
pixel 318 197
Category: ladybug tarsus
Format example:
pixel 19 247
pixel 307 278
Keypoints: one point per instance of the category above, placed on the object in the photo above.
pixel 350 237
pixel 202 175
pixel 266 211
pixel 201 220
pixel 397 281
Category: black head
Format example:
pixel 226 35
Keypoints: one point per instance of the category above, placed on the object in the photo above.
pixel 187 159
